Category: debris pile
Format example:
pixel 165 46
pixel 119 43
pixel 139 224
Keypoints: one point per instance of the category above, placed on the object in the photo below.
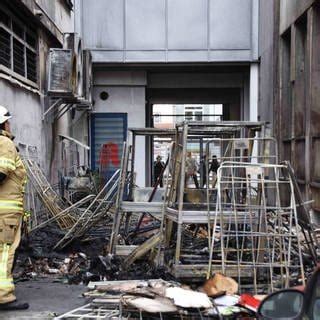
pixel 247 230
pixel 81 267
pixel 159 299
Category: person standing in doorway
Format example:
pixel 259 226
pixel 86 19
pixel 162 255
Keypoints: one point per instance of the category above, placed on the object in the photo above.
pixel 12 183
pixel 158 167
pixel 214 165
pixel 191 169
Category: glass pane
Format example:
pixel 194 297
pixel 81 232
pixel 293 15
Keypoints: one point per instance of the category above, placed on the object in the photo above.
pixel 316 310
pixel 189 115
pixel 4 18
pixel 283 305
pixel 31 66
pixel 166 116
pixel 18 29
pixel 5 48
pixel 18 57
pixel 31 40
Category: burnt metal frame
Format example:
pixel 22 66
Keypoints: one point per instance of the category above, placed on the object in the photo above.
pixel 271 243
pixel 200 129
pixel 178 216
pixel 171 215
pixel 126 208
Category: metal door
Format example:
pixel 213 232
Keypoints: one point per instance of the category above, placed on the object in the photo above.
pixel 108 132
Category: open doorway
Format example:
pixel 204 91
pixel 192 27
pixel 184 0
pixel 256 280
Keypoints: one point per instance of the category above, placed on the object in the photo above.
pixel 166 116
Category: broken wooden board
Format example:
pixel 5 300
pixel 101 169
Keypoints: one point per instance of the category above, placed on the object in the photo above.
pixel 143 249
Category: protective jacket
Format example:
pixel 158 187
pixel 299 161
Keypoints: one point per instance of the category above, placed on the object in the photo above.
pixel 11 211
pixel 12 190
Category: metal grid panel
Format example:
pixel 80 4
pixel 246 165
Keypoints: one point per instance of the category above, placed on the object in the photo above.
pixel 267 239
pixel 249 213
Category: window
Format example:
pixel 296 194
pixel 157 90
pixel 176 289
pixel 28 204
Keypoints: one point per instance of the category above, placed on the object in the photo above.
pixel 18 46
pixel 156 118
pixel 189 115
pixel 198 115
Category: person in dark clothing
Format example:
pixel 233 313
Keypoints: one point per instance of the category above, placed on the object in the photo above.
pixel 158 167
pixel 214 165
pixel 204 170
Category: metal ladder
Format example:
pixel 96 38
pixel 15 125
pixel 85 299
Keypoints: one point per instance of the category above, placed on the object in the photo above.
pixel 49 197
pixel 97 211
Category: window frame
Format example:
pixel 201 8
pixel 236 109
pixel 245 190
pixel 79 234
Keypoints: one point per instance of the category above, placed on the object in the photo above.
pixel 27 31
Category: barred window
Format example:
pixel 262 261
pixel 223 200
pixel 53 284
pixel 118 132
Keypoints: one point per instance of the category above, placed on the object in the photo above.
pixel 18 45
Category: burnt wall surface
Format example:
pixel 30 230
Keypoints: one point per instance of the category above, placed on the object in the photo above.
pixel 298 109
pixel 267 59
pixel 45 20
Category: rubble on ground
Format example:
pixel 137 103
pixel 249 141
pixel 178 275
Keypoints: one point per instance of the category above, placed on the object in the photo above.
pixel 240 232
pixel 150 299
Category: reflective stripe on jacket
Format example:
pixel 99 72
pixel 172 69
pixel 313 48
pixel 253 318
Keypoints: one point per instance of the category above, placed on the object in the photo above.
pixel 12 188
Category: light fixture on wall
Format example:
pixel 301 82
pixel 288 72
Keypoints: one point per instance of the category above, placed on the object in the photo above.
pixel 104 95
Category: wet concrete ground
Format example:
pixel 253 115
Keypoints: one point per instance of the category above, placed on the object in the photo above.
pixel 46 298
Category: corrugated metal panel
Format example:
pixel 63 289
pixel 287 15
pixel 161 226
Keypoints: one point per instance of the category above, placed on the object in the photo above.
pixel 108 132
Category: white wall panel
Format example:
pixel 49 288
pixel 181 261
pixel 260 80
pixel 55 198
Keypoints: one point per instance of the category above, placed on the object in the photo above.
pixel 187 24
pixel 230 24
pixel 145 25
pixel 103 25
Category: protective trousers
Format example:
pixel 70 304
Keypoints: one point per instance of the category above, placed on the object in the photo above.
pixel 10 234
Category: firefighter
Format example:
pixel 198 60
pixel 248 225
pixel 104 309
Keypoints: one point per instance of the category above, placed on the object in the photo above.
pixel 12 183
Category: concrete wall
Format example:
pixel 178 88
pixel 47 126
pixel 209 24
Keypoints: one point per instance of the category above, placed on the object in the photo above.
pixel 169 31
pixel 26 110
pixel 59 13
pixel 126 94
pixel 25 99
pixel 266 53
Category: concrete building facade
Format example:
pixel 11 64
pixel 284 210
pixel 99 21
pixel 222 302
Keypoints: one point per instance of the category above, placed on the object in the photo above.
pixel 177 51
pixel 27 30
pixel 257 58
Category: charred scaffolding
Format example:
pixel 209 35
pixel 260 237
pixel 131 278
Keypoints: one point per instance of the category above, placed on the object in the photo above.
pixel 257 228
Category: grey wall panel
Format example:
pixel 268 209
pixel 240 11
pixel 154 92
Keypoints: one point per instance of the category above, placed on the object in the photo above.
pixel 266 48
pixel 102 56
pixel 187 56
pixel 230 24
pixel 170 30
pixel 230 55
pixel 187 24
pixel 103 23
pixel 107 56
pixel 145 56
pixel 26 123
pixel 145 24
pixel 123 78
